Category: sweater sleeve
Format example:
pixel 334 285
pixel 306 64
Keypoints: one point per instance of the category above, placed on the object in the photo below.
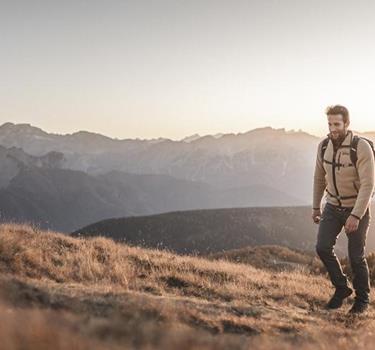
pixel 319 179
pixel 365 168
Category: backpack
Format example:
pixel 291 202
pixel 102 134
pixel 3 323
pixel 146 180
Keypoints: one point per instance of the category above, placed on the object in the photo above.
pixel 353 148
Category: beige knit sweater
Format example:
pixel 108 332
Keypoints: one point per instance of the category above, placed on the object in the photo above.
pixel 343 179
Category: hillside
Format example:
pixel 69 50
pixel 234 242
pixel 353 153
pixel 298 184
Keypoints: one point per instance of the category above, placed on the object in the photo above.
pixel 208 231
pixel 62 292
pixel 272 257
pixel 215 230
pixel 279 258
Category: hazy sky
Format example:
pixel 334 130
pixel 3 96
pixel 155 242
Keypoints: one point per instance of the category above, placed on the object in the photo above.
pixel 173 68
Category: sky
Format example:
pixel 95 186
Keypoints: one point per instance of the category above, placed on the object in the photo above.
pixel 172 68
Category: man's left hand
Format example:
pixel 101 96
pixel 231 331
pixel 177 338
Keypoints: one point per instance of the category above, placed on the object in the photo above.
pixel 351 224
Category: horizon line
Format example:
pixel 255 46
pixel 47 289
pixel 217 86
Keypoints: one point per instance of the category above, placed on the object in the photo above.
pixel 175 140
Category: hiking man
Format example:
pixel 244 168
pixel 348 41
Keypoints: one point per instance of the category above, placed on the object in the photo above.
pixel 345 170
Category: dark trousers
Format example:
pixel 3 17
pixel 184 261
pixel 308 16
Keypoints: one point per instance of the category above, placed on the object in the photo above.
pixel 331 223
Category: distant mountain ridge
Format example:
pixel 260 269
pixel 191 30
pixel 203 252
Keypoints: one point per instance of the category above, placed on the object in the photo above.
pixel 12 160
pixel 38 190
pixel 269 157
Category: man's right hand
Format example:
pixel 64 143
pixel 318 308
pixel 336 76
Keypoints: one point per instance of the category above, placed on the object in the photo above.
pixel 316 214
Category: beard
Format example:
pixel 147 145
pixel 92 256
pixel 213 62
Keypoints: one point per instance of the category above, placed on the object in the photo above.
pixel 338 137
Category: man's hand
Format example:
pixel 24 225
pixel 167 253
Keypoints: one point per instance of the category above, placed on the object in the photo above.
pixel 316 215
pixel 351 224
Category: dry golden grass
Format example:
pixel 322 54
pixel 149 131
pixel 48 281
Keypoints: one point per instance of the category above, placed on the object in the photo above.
pixel 65 293
pixel 271 257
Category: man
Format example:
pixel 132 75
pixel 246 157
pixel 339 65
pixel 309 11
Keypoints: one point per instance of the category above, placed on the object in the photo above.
pixel 349 190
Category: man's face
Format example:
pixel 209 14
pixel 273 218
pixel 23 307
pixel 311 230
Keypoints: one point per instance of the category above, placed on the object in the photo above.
pixel 337 127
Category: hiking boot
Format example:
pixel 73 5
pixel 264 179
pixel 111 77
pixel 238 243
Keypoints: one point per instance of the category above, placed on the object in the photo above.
pixel 358 307
pixel 338 297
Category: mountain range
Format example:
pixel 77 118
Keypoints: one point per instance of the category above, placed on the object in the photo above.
pixel 276 158
pixel 65 182
pixel 39 190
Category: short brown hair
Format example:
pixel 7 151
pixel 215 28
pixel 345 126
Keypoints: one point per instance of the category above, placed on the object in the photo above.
pixel 338 109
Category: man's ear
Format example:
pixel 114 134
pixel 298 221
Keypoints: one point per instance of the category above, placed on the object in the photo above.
pixel 346 125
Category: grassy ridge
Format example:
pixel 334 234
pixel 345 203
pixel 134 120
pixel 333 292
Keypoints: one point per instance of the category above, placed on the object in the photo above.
pixel 94 293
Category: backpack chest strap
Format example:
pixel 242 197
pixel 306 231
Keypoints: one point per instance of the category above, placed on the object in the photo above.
pixel 339 198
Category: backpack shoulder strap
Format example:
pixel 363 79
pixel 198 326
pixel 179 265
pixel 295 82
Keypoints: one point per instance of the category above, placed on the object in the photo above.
pixel 324 147
pixel 353 150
